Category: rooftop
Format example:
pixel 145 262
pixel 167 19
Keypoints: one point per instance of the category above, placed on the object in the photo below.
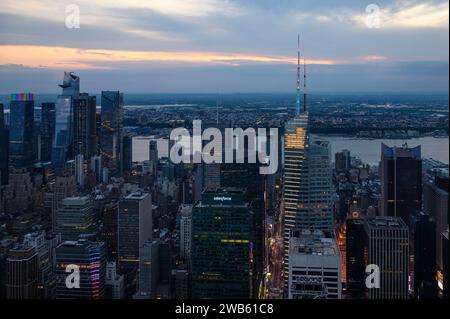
pixel 386 222
pixel 137 196
pixel 317 242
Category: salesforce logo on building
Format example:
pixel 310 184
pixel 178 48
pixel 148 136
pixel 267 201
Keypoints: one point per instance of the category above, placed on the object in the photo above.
pixel 222 198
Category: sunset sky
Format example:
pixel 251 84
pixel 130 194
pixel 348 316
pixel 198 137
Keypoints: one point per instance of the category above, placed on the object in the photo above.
pixel 224 45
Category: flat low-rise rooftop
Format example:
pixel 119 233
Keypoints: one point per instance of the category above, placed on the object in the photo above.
pixel 386 222
pixel 75 199
pixel 313 242
pixel 136 195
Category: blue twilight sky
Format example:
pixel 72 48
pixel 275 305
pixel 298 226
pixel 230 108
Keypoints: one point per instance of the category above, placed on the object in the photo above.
pixel 224 46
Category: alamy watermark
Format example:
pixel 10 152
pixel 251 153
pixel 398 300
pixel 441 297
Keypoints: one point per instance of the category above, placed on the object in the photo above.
pixel 373 16
pixel 237 146
pixel 373 278
pixel 73 279
pixel 72 16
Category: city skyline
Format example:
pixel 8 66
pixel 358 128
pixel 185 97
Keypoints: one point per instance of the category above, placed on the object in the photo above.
pixel 110 194
pixel 104 211
pixel 225 46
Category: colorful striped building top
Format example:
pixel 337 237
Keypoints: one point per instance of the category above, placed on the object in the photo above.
pixel 21 97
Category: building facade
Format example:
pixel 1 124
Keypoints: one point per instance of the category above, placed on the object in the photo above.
pixel 355 261
pixel 75 217
pixel 401 181
pixel 314 265
pixel 63 138
pixel 21 130
pixel 47 128
pixel 386 245
pixel 90 258
pixel 4 152
pixel 135 227
pixel 221 245
pixel 111 131
pixel 21 272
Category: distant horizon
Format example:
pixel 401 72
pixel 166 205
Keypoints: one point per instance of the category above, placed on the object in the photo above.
pixel 414 93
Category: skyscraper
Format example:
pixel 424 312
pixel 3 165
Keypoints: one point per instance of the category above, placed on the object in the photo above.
pixel 246 176
pixel 44 246
pixel 22 270
pixel 111 130
pixel 425 285
pixel 342 160
pixel 186 232
pixel 221 245
pixel 71 84
pixel 79 169
pixel 84 125
pixel 435 204
pixel 401 181
pixel 211 176
pixel 114 281
pixel 295 190
pixel 90 257
pixel 20 191
pixel 47 130
pixel 64 186
pixel 108 232
pixel 75 217
pixel 445 265
pixel 307 176
pixel 386 245
pixel 21 129
pixel 96 167
pixel 127 156
pixel 182 285
pixel 135 227
pixel 63 147
pixel 307 181
pixel 356 275
pixel 2 115
pixel 4 151
pixel 148 269
pixel 153 156
pixel 314 265
pixel 316 212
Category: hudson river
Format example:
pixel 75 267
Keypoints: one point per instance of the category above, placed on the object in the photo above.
pixel 368 150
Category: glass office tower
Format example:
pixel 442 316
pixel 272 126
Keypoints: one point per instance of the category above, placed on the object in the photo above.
pixel 4 150
pixel 246 176
pixel 47 130
pixel 63 137
pixel 111 131
pixel 295 173
pixel 135 227
pixel 307 182
pixel 401 181
pixel 21 129
pixel 221 245
pixel 84 125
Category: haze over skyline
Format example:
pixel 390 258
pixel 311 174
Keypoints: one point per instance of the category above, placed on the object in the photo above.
pixel 187 46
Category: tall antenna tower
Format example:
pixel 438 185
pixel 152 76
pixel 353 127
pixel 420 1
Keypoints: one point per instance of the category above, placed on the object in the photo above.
pixel 304 85
pixel 297 105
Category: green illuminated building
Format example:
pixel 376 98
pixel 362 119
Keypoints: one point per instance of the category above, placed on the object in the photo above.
pixel 221 245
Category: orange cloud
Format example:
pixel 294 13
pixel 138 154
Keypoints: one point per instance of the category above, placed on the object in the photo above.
pixel 62 57
pixel 374 58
